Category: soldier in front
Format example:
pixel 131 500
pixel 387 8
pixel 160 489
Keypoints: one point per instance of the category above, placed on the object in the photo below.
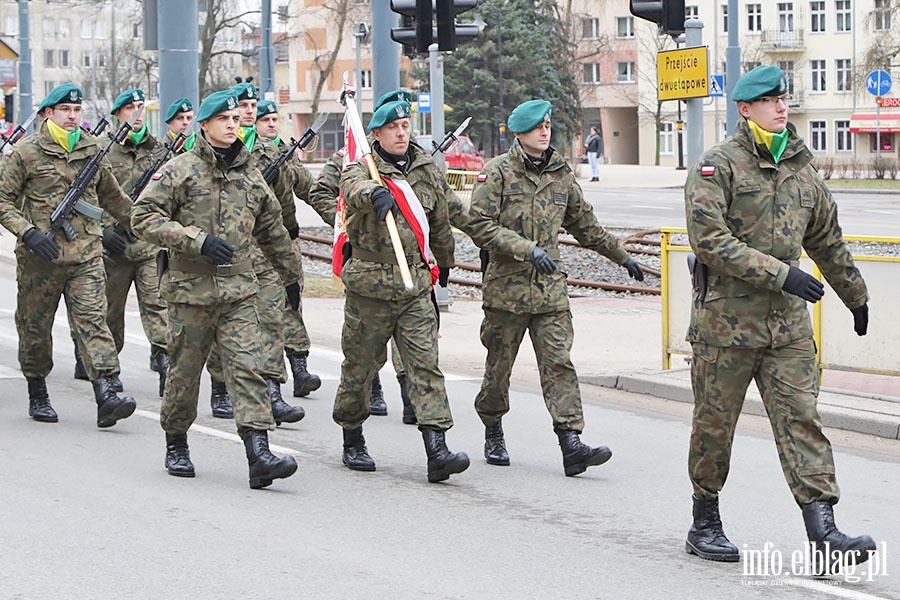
pixel 210 208
pixel 378 306
pixel 34 179
pixel 754 203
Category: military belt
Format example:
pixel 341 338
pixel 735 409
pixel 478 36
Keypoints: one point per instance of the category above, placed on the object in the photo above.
pixel 551 252
pixel 201 268
pixel 387 258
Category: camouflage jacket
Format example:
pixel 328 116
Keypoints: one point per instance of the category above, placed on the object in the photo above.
pixel 263 153
pixel 128 162
pixel 301 182
pixel 367 232
pixel 515 208
pixel 196 194
pixel 748 220
pixel 35 178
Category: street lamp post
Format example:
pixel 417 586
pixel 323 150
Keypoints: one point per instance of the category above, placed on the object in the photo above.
pixel 362 35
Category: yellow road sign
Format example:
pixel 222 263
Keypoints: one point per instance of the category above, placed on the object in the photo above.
pixel 682 73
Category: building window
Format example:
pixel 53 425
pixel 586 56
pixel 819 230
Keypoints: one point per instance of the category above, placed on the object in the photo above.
pixel 86 59
pixel 724 8
pixel 87 29
pixel 817 69
pixel 64 58
pixel 750 65
pixel 120 30
pixel 625 72
pixel 590 28
pixel 64 28
pixel 787 67
pixel 667 138
pixel 101 59
pixel 49 28
pixel 48 87
pixel 137 30
pixel 12 25
pixel 785 16
pixel 48 58
pixel 843 139
pixel 844 71
pixel 365 79
pixel 882 15
pixel 691 12
pixel 887 142
pixel 817 16
pixel 624 27
pixel 842 15
pixel 590 73
pixel 754 18
pixel 817 131
pixel 100 30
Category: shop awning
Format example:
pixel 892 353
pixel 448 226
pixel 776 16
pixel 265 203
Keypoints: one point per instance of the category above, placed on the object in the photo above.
pixel 868 122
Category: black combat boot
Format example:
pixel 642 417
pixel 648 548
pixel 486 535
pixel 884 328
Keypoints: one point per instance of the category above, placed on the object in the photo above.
pixel 577 457
pixel 706 538
pixel 110 407
pixel 281 410
pixel 80 372
pixel 831 548
pixel 377 405
pixel 265 466
pixel 304 381
pixel 219 400
pixel 39 407
pixel 409 413
pixel 441 462
pixel 356 455
pixel 178 457
pixel 160 362
pixel 495 446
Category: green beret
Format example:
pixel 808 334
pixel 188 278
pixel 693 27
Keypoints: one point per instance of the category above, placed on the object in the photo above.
pixel 528 115
pixel 392 96
pixel 390 111
pixel 217 102
pixel 127 97
pixel 67 92
pixel 762 81
pixel 246 91
pixel 266 107
pixel 179 106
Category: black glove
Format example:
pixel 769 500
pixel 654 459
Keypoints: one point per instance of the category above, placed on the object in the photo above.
pixel 542 261
pixel 292 291
pixel 800 283
pixel 443 276
pixel 382 202
pixel 294 232
pixel 41 244
pixel 860 319
pixel 217 249
pixel 113 242
pixel 634 269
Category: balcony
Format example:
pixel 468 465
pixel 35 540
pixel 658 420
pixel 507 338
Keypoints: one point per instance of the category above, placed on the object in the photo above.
pixel 775 41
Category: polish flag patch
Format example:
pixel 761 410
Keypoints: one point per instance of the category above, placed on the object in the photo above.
pixel 156 176
pixel 481 178
pixel 707 170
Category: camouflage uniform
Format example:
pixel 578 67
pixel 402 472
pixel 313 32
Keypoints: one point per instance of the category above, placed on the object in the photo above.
pixel 33 180
pixel 748 222
pixel 515 208
pixel 378 306
pixel 191 195
pixel 128 163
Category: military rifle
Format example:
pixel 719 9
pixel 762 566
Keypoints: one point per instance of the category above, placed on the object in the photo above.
pixel 16 135
pixel 271 170
pixel 101 126
pixel 450 138
pixel 145 177
pixel 72 201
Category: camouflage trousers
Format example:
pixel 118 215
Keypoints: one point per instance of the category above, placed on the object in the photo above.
pixel 119 277
pixel 552 336
pixel 234 329
pixel 270 301
pixel 296 339
pixel 40 286
pixel 788 380
pixel 395 359
pixel 368 326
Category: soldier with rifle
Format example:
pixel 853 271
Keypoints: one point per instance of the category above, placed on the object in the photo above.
pixel 18 133
pixel 180 119
pixel 52 183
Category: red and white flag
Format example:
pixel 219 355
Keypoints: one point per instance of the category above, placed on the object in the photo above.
pixel 411 209
pixel 351 154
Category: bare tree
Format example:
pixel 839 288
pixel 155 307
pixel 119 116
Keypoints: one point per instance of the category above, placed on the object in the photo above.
pixel 222 20
pixel 649 104
pixel 884 49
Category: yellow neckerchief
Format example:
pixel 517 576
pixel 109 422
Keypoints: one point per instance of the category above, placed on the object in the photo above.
pixel 775 142
pixel 248 136
pixel 66 139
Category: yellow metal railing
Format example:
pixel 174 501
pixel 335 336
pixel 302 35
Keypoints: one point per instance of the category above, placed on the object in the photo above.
pixel 462 182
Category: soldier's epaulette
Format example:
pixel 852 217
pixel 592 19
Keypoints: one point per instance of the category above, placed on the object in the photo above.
pixel 567 167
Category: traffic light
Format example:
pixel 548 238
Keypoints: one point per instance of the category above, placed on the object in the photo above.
pixel 417 33
pixel 450 34
pixel 667 14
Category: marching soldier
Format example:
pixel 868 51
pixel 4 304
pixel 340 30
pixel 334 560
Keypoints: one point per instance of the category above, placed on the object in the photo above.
pixel 212 209
pixel 34 179
pixel 377 305
pixel 754 202
pixel 519 202
pixel 180 119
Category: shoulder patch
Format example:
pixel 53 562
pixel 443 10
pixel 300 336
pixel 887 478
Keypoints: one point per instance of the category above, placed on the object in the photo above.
pixel 482 177
pixel 157 176
pixel 707 170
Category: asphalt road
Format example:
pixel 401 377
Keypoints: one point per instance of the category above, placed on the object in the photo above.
pixel 88 513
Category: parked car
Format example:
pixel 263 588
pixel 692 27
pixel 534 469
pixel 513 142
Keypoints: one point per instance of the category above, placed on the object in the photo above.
pixel 462 155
